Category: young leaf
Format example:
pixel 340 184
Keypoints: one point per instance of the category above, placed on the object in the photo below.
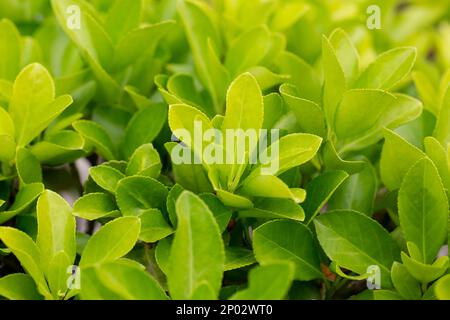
pixel 423 209
pixel 91 36
pixel 245 107
pixel 197 256
pixel 346 54
pixel 56 229
pixel 145 161
pixel 121 232
pixel 11 47
pixel 274 208
pixel 26 251
pixel 309 115
pixel 381 109
pixel 335 83
pixel 442 129
pixel 271 245
pixel 119 281
pixel 118 25
pixel 294 150
pixel 437 154
pixel 388 69
pixel 404 283
pixel 442 288
pixel 97 136
pixel 134 195
pixel 203 36
pixel 24 199
pixel 247 50
pixel 106 177
pixel 425 273
pixel 94 206
pixel 302 76
pixel 33 105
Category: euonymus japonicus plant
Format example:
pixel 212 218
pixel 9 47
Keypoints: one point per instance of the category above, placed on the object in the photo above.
pixel 342 195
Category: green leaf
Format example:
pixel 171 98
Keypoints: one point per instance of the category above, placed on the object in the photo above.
pixel 154 226
pixel 143 128
pixel 280 275
pixel 56 229
pixel 24 199
pixel 346 54
pixel 274 109
pixel 106 177
pixel 203 36
pixel 392 171
pixel 172 197
pixel 94 206
pixel 271 244
pixel 162 254
pixel 33 105
pixel 388 69
pixel 273 208
pixel 28 167
pixel 119 281
pixel 309 115
pixel 247 50
pixel 357 192
pixel 91 36
pixel 266 78
pixel 356 129
pixel 197 256
pixel 404 283
pixel 118 24
pixel 293 150
pixel 237 257
pixel 302 76
pixel 134 195
pixel 11 48
pixel 423 209
pixel 335 83
pixel 425 273
pixel 138 41
pixel 184 121
pixel 191 176
pixel 442 288
pixel 234 200
pixel 57 274
pixel 333 161
pixel 114 240
pixel 245 106
pixel 26 251
pixel 344 237
pixel 220 212
pixel 442 129
pixel 319 190
pixel 145 161
pixel 59 148
pixel 266 186
pixel 96 135
pixel 19 286
pixel 437 154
